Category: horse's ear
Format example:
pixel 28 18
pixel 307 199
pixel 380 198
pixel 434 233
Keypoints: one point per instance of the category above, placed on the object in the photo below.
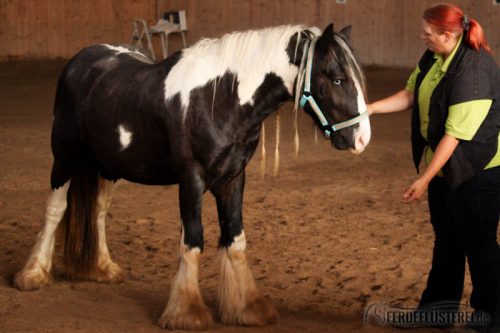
pixel 326 39
pixel 328 30
pixel 346 32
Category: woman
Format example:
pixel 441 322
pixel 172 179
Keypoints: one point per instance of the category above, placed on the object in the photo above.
pixel 455 97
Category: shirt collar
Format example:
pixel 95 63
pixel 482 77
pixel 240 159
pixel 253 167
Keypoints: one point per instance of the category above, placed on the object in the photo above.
pixel 444 64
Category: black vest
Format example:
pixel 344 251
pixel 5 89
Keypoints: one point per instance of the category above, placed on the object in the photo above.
pixel 471 75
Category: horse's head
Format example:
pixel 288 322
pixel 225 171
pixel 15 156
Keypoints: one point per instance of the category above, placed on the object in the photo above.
pixel 333 90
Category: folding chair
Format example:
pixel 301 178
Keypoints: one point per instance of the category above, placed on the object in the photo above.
pixel 171 22
pixel 140 34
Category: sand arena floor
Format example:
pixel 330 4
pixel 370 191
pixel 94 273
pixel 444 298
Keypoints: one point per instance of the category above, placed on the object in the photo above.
pixel 326 238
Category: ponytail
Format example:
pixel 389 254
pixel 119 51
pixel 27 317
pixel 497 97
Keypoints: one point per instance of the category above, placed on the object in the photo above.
pixel 475 37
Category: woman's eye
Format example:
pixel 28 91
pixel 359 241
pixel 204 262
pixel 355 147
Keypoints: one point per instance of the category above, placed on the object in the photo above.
pixel 337 82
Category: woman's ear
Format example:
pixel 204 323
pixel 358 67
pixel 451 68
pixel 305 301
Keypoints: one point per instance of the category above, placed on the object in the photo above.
pixel 447 36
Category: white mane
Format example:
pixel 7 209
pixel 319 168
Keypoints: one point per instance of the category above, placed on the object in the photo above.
pixel 248 55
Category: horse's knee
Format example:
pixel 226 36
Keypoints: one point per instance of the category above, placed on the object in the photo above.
pixel 192 235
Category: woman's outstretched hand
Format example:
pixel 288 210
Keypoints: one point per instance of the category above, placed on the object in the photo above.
pixel 415 191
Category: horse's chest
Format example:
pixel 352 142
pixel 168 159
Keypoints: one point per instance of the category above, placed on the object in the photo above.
pixel 232 159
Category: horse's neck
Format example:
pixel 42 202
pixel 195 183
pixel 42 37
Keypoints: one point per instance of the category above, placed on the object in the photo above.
pixel 279 83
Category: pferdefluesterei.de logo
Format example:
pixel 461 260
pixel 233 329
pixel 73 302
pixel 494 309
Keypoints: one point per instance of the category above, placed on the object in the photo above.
pixel 444 314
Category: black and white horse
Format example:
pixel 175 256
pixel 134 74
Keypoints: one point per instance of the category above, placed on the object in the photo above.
pixel 194 120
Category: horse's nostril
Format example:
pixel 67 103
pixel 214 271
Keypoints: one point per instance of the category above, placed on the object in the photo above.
pixel 362 141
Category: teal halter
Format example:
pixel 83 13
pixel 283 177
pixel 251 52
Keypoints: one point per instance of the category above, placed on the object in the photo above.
pixel 306 97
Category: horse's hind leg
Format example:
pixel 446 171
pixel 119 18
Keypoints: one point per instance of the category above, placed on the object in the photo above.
pixel 37 270
pixel 107 270
pixel 240 302
pixel 185 308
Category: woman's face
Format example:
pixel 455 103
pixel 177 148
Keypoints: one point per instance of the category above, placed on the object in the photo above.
pixel 435 42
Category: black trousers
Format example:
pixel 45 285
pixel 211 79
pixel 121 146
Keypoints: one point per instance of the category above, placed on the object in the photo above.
pixel 465 223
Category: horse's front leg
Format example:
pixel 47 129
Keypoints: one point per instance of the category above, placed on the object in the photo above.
pixel 240 302
pixel 185 308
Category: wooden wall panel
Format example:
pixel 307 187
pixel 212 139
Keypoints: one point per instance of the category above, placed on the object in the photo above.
pixel 385 32
pixel 59 28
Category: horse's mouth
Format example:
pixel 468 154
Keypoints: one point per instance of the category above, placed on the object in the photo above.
pixel 340 144
pixel 356 151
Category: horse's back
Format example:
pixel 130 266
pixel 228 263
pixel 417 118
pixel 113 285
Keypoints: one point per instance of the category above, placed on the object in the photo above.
pixel 92 62
pixel 110 99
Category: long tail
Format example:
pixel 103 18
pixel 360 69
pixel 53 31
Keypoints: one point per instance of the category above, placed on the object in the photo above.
pixel 79 225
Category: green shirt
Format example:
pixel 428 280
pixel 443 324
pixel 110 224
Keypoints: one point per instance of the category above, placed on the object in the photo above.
pixel 463 119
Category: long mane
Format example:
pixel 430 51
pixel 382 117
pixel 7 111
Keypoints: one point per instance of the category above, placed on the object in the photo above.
pixel 248 55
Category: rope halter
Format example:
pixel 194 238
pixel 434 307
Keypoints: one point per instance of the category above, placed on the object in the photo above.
pixel 307 98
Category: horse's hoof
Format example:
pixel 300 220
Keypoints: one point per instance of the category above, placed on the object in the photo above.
pixel 192 317
pixel 110 272
pixel 27 280
pixel 259 312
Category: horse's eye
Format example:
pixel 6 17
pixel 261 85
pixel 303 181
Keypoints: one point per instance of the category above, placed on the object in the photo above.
pixel 337 82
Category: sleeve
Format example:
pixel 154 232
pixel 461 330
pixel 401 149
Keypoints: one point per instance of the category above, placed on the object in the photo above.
pixel 465 118
pixel 470 99
pixel 412 80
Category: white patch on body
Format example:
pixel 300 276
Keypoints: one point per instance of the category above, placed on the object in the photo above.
pixel 250 56
pixel 121 49
pixel 125 137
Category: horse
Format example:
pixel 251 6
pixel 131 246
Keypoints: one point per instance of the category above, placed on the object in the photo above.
pixel 193 119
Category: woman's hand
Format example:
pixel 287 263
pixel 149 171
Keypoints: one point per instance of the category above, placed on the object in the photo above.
pixel 444 150
pixel 415 191
pixel 369 107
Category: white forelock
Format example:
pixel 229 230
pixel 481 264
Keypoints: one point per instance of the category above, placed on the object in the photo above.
pixel 248 55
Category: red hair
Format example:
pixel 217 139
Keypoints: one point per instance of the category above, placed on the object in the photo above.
pixel 448 17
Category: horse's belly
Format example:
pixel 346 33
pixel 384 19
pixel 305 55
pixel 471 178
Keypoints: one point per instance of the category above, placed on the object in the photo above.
pixel 138 168
pixel 144 159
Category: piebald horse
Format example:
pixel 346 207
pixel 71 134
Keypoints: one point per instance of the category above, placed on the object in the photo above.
pixel 193 119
